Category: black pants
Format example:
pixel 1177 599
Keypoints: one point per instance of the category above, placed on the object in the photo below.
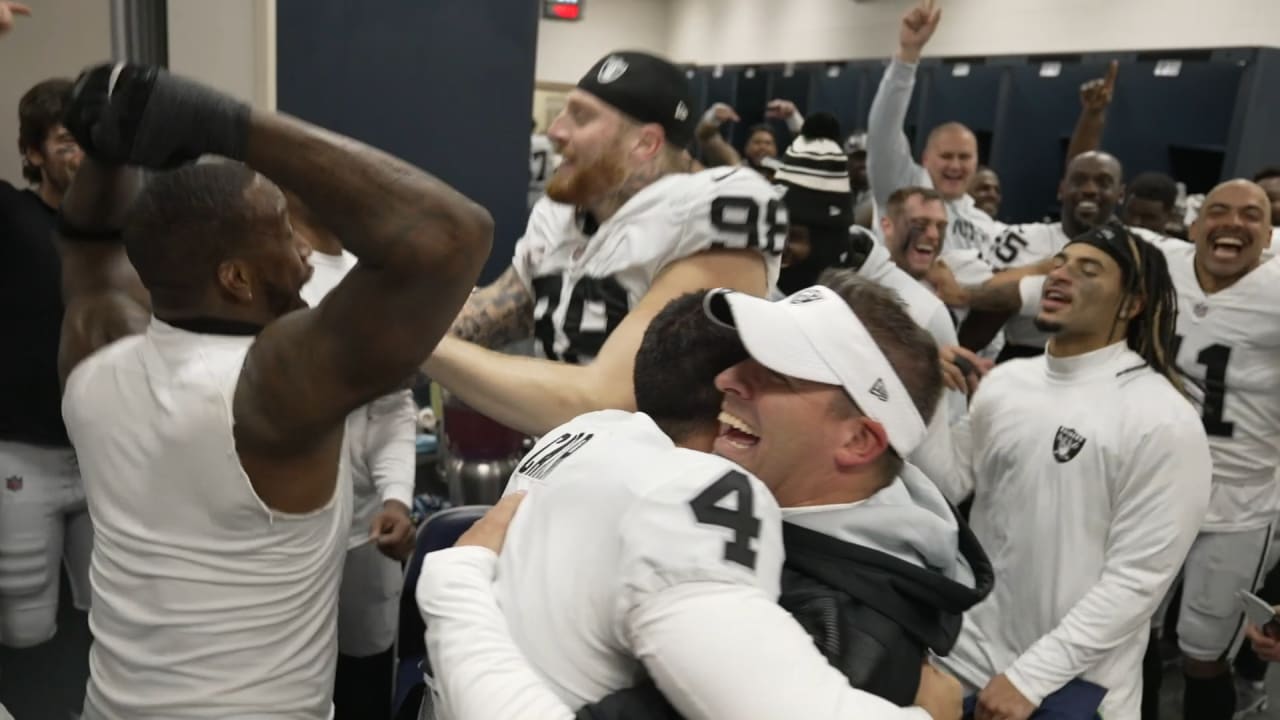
pixel 362 688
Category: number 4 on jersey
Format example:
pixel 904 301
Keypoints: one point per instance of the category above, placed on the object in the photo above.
pixel 745 526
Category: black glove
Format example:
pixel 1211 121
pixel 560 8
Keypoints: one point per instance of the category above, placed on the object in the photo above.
pixel 139 115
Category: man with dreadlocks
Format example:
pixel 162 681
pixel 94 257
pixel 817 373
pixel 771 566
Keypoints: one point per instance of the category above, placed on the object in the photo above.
pixel 1090 471
pixel 1228 346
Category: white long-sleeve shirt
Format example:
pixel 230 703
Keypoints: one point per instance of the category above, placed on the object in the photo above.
pixel 1229 346
pixel 383 458
pixel 626 555
pixel 1092 477
pixel 891 167
pixel 749 659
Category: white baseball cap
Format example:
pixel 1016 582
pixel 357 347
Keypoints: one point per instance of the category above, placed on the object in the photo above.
pixel 814 335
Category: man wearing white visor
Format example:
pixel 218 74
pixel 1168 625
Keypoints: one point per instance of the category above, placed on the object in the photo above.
pixel 633 552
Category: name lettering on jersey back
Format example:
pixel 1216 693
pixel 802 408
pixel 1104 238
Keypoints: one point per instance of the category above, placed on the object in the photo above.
pixel 973 236
pixel 540 464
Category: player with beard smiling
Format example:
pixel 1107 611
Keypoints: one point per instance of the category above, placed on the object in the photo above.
pixel 624 229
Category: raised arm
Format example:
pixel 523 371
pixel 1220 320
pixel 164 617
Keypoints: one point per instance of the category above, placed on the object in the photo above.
pixel 716 151
pixel 103 297
pixel 890 165
pixel 420 245
pixel 1095 97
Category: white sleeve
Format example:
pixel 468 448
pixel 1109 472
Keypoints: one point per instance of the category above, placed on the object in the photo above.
pixel 940 326
pixel 944 455
pixel 390 444
pixel 729 651
pixel 479 673
pixel 889 162
pixel 1159 500
pixel 1030 288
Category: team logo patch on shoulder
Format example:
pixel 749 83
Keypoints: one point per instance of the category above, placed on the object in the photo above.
pixel 612 69
pixel 13 482
pixel 1067 444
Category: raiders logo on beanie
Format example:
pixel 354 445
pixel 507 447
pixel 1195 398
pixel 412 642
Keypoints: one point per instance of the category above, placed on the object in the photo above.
pixel 647 88
pixel 815 174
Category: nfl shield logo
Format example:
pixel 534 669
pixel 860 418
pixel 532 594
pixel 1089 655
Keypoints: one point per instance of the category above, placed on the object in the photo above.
pixel 1067 444
pixel 13 483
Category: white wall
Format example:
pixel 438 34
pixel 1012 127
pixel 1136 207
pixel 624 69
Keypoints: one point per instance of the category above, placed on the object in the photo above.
pixel 229 44
pixel 566 50
pixel 741 31
pixel 61 38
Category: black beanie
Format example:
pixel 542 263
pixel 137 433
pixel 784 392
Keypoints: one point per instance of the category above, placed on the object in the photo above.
pixel 647 88
pixel 815 174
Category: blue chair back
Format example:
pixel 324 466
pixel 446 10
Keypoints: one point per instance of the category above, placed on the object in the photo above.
pixel 440 531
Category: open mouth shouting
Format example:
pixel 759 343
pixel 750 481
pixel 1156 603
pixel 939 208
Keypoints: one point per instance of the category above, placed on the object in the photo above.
pixel 1055 297
pixel 1228 244
pixel 736 432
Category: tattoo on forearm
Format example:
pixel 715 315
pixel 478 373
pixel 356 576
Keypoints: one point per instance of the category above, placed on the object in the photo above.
pixel 497 315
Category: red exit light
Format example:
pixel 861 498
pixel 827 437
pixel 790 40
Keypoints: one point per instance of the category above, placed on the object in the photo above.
pixel 563 9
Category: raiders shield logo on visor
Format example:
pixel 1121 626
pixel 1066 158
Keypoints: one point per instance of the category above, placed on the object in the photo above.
pixel 1067 444
pixel 806 296
pixel 611 70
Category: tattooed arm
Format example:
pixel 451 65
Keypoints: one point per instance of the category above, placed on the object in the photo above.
pixel 497 314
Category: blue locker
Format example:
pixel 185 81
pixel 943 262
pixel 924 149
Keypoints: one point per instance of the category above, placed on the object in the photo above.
pixel 383 77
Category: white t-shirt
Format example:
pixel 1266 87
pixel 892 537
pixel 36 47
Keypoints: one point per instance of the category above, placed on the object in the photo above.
pixel 206 602
pixel 1090 477
pixel 583 284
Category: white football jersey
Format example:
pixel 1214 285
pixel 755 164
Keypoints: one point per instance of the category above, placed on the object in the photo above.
pixel 1021 245
pixel 542 163
pixel 615 515
pixel 586 279
pixel 1229 346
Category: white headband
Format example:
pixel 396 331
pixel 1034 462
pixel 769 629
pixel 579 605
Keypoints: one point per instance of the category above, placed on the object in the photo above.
pixel 814 335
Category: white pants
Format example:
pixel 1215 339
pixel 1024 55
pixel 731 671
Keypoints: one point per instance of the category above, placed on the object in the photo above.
pixel 1211 621
pixel 368 602
pixel 43 520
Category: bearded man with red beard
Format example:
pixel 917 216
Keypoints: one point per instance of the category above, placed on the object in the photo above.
pixel 625 228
